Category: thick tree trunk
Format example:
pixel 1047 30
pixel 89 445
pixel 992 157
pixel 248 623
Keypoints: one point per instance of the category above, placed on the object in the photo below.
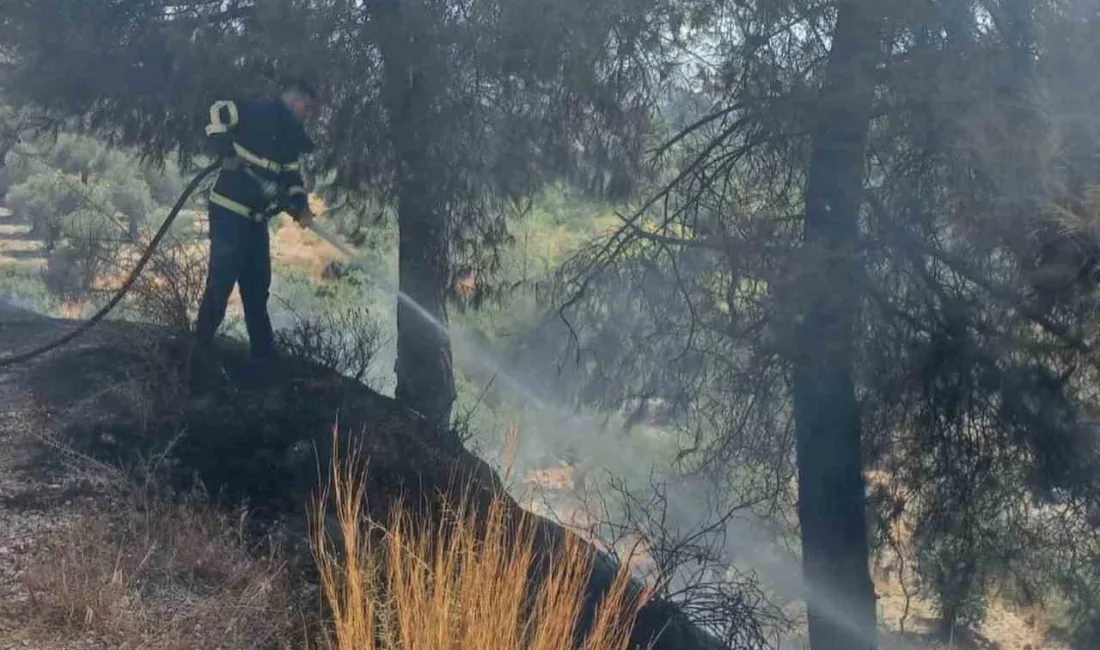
pixel 425 376
pixel 832 509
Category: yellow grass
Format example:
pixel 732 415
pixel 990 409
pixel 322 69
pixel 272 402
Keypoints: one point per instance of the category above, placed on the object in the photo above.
pixel 175 577
pixel 461 583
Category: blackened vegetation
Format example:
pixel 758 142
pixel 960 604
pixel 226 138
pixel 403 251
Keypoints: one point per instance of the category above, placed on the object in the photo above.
pixel 260 439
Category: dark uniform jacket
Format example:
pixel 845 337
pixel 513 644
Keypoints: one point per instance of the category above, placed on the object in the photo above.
pixel 270 140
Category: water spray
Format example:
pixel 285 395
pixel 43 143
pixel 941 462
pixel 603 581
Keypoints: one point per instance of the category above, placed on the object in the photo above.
pixel 780 569
pixel 483 357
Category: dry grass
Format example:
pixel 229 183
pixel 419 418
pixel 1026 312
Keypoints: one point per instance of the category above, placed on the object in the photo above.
pixel 179 577
pixel 464 582
pixel 295 247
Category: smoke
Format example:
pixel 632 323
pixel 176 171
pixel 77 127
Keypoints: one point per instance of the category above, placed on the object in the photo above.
pixel 15 301
pixel 521 391
pixel 12 300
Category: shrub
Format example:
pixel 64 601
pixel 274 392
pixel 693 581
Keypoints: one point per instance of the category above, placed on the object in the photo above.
pixel 168 292
pixel 954 571
pixel 165 183
pixel 88 249
pixel 17 168
pixel 43 201
pixel 26 289
pixel 130 197
pixel 70 274
pixel 74 154
pixel 345 340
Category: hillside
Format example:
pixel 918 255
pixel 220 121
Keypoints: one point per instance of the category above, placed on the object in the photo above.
pixel 112 399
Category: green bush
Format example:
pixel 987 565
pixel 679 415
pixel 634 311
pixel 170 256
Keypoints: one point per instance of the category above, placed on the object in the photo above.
pixel 87 248
pixel 165 185
pixel 131 198
pixel 17 168
pixel 74 154
pixel 43 201
pixel 26 289
pixel 83 199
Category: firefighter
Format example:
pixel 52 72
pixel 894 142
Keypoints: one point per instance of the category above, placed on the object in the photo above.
pixel 260 143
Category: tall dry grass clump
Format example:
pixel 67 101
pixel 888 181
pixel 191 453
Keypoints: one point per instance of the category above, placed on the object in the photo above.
pixel 464 581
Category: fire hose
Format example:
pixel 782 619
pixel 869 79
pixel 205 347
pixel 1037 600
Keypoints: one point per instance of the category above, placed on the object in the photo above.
pixel 331 238
pixel 23 357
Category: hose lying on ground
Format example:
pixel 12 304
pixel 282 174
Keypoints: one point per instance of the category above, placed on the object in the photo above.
pixel 121 293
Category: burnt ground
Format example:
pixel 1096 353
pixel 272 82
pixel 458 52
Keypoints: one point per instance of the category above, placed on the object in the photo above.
pixel 39 494
pixel 114 399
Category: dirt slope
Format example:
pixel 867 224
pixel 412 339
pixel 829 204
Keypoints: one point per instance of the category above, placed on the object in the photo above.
pixel 113 396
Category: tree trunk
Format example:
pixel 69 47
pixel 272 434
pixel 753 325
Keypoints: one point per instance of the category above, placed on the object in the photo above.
pixel 425 376
pixel 133 229
pixel 832 508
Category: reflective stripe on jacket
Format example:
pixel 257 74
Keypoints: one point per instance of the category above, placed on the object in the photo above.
pixel 268 137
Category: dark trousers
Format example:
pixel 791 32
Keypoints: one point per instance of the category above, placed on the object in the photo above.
pixel 239 254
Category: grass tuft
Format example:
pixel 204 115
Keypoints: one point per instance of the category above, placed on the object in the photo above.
pixel 178 576
pixel 463 581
